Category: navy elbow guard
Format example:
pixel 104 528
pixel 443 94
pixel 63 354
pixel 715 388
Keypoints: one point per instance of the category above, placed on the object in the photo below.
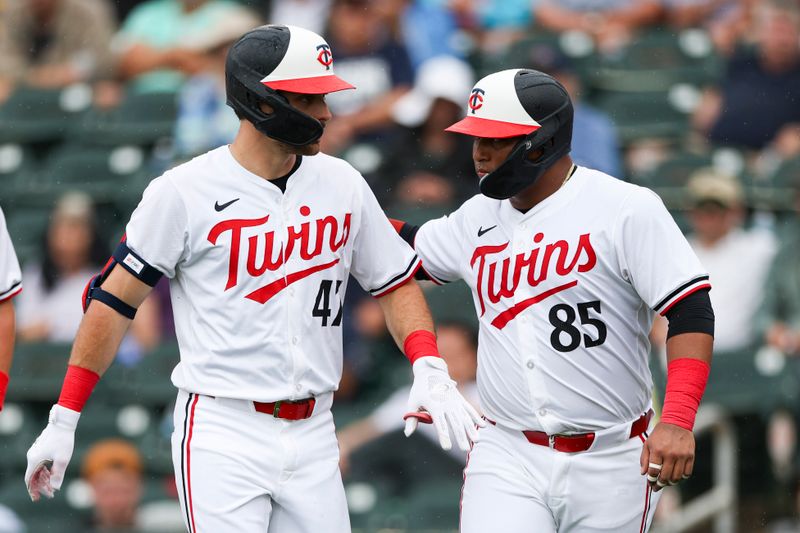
pixel 693 314
pixel 131 262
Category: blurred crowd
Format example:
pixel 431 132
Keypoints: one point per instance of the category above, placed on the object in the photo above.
pixel 697 99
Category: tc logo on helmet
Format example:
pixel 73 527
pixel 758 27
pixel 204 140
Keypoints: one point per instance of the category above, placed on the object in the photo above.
pixel 476 99
pixel 325 57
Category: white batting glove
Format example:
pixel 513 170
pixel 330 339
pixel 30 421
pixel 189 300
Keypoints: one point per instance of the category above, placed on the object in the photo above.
pixel 435 392
pixel 50 453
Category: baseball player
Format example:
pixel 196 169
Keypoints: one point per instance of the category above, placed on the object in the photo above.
pixel 10 286
pixel 567 266
pixel 258 239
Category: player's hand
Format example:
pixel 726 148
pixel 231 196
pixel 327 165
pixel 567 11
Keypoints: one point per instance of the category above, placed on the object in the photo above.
pixel 435 392
pixel 667 456
pixel 50 453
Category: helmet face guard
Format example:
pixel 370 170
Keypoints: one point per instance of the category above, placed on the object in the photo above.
pixel 519 171
pixel 285 124
pixel 519 102
pixel 273 58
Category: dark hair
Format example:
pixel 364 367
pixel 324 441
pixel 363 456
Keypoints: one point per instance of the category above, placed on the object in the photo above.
pixel 468 330
pixel 98 254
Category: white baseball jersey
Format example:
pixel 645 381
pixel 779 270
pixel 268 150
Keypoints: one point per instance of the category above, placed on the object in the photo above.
pixel 258 277
pixel 565 294
pixel 10 276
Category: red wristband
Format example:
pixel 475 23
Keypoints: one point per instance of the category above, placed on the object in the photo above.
pixel 420 343
pixel 3 387
pixel 686 382
pixel 78 386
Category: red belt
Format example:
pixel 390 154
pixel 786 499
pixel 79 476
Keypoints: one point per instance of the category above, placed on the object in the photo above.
pixel 582 441
pixel 287 409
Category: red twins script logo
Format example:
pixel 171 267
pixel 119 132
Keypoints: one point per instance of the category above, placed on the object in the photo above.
pixel 325 57
pixel 476 99
pixel 536 266
pixel 310 240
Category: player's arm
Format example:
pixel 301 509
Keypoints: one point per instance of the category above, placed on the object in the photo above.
pixel 410 323
pixel 6 345
pixel 110 303
pixel 689 348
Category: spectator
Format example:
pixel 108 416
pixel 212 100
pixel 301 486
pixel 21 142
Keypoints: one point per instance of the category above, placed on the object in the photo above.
pixel 426 29
pixel 755 106
pixel 494 24
pixel 458 345
pixel 10 286
pixel 611 23
pixel 699 13
pixel 309 14
pixel 424 163
pixel 779 316
pixel 42 44
pixel 114 469
pixel 50 306
pixel 368 56
pixel 152 43
pixel 737 259
pixel 594 136
pixel 204 120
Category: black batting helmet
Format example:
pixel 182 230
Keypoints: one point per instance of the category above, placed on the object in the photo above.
pixel 519 103
pixel 274 58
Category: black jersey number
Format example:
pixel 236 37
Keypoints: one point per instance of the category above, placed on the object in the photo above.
pixel 562 317
pixel 322 304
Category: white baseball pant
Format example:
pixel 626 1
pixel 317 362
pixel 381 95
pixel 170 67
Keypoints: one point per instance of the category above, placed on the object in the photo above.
pixel 242 471
pixel 513 486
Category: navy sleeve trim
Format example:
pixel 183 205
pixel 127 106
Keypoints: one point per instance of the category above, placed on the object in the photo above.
pixel 408 233
pixel 406 274
pixel 11 291
pixel 138 267
pixel 683 290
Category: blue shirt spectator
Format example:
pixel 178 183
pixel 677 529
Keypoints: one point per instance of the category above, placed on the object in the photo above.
pixel 594 140
pixel 756 102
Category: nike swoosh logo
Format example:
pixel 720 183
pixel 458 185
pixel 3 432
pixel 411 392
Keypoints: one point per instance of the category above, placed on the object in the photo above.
pixel 220 207
pixel 482 232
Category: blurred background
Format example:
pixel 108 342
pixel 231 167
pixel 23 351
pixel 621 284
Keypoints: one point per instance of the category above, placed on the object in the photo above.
pixel 696 99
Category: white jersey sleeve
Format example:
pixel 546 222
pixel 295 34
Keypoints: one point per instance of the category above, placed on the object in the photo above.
pixel 157 230
pixel 654 256
pixel 439 243
pixel 10 276
pixel 382 261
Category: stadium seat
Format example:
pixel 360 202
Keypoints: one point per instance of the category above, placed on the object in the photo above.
pixel 140 119
pixel 657 60
pixel 646 115
pixel 743 382
pixel 26 226
pixel 147 383
pixel 778 191
pixel 17 164
pixel 19 426
pixel 37 372
pixel 34 115
pixel 536 49
pixel 103 172
pixel 669 178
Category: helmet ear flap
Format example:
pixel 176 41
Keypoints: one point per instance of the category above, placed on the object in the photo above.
pixel 276 58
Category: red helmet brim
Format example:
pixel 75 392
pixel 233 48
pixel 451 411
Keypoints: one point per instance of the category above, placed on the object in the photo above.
pixel 490 129
pixel 315 85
